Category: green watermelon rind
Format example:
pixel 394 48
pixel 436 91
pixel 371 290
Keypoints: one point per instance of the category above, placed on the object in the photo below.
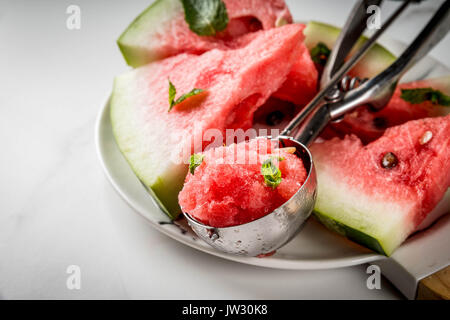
pixel 349 232
pixel 351 212
pixel 150 20
pixel 158 189
pixel 374 61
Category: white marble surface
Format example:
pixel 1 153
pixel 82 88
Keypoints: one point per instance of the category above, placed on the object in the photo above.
pixel 56 207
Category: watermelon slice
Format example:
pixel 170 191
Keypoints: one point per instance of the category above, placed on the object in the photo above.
pixel 161 31
pixel 158 143
pixel 369 125
pixel 378 194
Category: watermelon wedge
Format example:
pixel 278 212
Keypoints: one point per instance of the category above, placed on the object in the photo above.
pixel 369 125
pixel 378 194
pixel 161 30
pixel 158 143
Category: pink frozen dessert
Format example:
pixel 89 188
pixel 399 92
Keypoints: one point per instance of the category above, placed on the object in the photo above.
pixel 239 183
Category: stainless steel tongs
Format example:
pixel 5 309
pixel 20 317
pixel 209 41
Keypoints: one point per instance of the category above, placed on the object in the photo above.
pixel 339 93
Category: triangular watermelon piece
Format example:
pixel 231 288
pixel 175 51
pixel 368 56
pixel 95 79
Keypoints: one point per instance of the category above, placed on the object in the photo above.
pixel 380 193
pixel 156 142
pixel 369 125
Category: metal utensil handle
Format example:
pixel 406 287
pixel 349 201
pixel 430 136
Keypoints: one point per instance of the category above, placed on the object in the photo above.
pixel 433 32
pixel 335 67
pixel 350 33
pixel 313 125
pixel 337 76
pixel 379 86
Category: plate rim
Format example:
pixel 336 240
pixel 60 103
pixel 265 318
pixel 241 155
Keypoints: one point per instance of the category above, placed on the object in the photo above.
pixel 271 262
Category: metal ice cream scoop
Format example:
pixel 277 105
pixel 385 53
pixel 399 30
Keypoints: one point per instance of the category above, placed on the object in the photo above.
pixel 272 231
pixel 338 96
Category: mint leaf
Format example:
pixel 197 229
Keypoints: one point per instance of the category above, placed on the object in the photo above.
pixel 195 161
pixel 271 173
pixel 173 92
pixel 320 53
pixel 191 93
pixel 205 17
pixel 419 95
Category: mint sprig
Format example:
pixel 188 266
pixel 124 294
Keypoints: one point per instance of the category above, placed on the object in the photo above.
pixel 173 92
pixel 195 161
pixel 320 53
pixel 419 95
pixel 205 17
pixel 271 173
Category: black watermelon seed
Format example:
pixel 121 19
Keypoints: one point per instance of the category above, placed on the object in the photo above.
pixel 380 123
pixel 274 118
pixel 389 160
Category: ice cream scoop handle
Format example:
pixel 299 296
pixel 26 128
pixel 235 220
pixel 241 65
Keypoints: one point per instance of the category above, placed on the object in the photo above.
pixel 313 125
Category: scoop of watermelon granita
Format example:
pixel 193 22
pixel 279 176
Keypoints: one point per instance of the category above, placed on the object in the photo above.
pixel 239 183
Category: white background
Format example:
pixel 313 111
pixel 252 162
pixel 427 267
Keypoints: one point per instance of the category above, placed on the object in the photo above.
pixel 56 207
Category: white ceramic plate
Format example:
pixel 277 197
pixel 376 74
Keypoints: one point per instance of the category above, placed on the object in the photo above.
pixel 314 248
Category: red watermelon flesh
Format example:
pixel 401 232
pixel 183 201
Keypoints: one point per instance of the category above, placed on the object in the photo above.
pixel 369 125
pixel 245 16
pixel 380 206
pixel 161 30
pixel 301 83
pixel 158 143
pixel 227 189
